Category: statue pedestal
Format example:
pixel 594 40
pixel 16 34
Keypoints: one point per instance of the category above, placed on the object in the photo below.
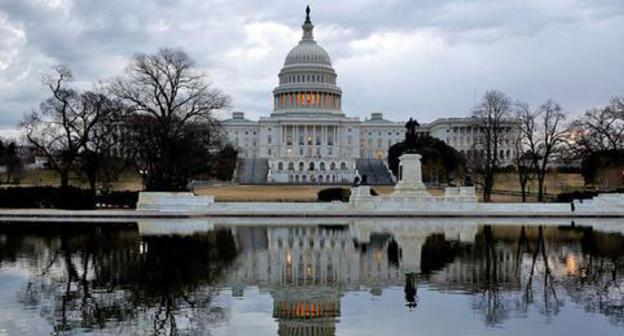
pixel 410 177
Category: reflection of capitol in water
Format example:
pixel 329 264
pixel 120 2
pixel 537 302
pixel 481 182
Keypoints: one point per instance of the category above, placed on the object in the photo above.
pixel 308 268
pixel 78 276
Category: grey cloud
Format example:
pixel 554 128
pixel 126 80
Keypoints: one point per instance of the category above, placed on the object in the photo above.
pixel 533 49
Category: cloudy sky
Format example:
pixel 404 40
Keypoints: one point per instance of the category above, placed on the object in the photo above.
pixel 426 58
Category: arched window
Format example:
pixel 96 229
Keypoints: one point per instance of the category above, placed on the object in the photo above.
pixel 322 166
pixel 311 166
pixel 343 166
pixel 301 166
pixel 280 166
pixel 291 165
pixel 320 178
pixel 332 166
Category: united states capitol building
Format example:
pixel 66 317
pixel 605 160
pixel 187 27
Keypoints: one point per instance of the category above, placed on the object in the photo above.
pixel 309 139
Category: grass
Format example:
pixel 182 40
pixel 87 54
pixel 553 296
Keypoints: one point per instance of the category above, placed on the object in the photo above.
pixel 129 180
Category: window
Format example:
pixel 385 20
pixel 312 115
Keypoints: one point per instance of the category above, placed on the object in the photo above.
pixel 269 139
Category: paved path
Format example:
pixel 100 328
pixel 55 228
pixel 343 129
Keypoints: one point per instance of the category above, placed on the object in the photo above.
pixel 125 215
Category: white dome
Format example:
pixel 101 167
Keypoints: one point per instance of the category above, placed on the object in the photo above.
pixel 306 52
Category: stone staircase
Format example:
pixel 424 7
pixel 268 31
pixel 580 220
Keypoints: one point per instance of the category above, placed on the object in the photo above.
pixel 375 171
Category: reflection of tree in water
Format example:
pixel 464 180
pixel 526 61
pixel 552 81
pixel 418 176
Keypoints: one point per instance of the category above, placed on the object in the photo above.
pixel 540 267
pixel 488 297
pixel 594 279
pixel 101 278
pixel 511 275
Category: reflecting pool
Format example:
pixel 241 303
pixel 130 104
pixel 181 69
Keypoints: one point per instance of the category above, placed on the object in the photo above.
pixel 312 277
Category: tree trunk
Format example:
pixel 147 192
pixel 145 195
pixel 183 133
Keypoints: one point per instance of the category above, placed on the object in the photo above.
pixel 540 187
pixel 92 184
pixel 64 179
pixel 523 182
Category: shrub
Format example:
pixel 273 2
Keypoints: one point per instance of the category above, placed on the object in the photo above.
pixel 338 194
pixel 575 195
pixel 70 198
pixel 47 197
pixel 334 194
pixel 117 199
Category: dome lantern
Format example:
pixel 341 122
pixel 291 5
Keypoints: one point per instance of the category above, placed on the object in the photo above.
pixel 307 81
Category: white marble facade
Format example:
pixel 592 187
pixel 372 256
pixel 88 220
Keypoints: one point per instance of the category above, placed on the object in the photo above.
pixel 308 139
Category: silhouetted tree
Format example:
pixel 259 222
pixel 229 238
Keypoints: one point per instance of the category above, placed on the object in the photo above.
pixel 171 107
pixel 10 160
pixel 544 133
pixel 63 124
pixel 440 162
pixel 492 118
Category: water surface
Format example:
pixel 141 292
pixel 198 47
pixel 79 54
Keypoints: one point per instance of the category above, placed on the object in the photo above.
pixel 313 277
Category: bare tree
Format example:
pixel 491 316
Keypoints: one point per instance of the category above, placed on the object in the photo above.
pixel 96 162
pixel 491 117
pixel 525 165
pixel 173 106
pixel 61 126
pixel 544 133
pixel 601 129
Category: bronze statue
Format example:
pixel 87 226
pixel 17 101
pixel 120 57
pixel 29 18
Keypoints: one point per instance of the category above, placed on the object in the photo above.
pixel 411 126
pixel 307 20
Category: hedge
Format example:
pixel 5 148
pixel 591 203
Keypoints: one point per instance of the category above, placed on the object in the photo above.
pixel 337 194
pixel 578 195
pixel 117 199
pixel 70 198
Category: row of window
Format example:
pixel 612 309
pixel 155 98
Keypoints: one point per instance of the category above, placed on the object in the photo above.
pixel 472 129
pixel 307 99
pixel 460 141
pixel 316 179
pixel 502 154
pixel 312 166
pixel 308 78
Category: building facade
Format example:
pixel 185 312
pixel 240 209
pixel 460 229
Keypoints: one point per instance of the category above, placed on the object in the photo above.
pixel 309 139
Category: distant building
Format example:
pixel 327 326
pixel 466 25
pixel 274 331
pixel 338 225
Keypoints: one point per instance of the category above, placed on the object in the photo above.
pixel 309 139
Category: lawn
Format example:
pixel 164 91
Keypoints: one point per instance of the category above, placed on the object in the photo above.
pixel 555 183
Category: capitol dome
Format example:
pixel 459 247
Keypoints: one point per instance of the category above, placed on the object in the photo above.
pixel 306 52
pixel 307 82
